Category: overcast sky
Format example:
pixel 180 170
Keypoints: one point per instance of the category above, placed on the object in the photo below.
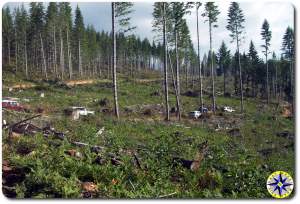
pixel 280 15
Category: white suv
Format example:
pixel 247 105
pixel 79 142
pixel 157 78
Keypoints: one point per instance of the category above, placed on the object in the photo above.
pixel 228 109
pixel 83 111
pixel 195 114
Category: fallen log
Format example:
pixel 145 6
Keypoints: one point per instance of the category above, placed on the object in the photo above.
pixel 22 121
pixel 26 129
pixel 136 159
pixel 167 195
pixel 80 144
pixel 47 131
pixel 20 128
pixel 116 162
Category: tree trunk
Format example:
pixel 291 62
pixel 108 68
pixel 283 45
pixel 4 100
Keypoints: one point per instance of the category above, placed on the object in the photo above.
pixel 172 73
pixel 25 53
pixel 224 81
pixel 186 74
pixel 291 84
pixel 177 78
pixel 165 64
pixel 99 65
pixel 267 83
pixel 79 58
pixel 55 54
pixel 240 74
pixel 131 68
pixel 69 56
pixel 199 61
pixel 276 82
pixel 16 53
pixel 114 62
pixel 8 46
pixel 43 57
pixel 212 73
pixel 62 58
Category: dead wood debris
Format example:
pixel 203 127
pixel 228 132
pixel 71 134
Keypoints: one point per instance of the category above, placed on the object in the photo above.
pixel 24 127
pixel 194 164
pixel 89 189
pixel 286 134
pixel 74 153
pixel 11 176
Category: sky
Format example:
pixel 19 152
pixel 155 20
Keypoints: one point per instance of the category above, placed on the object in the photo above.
pixel 280 15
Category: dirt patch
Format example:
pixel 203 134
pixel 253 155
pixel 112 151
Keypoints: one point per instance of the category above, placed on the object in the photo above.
pixel 145 81
pixel 79 82
pixel 20 86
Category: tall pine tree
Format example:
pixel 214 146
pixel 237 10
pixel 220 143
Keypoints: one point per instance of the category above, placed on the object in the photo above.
pixel 211 13
pixel 236 27
pixel 266 36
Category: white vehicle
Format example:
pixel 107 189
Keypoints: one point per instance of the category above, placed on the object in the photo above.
pixel 228 109
pixel 195 114
pixel 83 111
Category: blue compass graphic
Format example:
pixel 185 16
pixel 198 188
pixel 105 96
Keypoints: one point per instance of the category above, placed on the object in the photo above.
pixel 280 184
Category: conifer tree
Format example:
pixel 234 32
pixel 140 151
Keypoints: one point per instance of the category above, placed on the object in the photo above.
pixel 224 61
pixel 120 15
pixel 235 26
pixel 160 23
pixel 266 36
pixel 211 13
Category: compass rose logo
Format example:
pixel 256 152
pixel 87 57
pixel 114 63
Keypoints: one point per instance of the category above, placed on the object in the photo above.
pixel 280 184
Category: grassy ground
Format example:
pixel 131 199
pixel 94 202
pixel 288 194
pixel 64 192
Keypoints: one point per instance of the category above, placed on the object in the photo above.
pixel 233 168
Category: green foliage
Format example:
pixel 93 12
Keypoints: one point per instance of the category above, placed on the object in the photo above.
pixel 224 57
pixel 266 36
pixel 235 21
pixel 232 169
pixel 288 43
pixel 211 12
pixel 122 12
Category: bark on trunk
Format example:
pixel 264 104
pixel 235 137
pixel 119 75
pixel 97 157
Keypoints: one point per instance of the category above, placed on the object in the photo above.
pixel 62 58
pixel 16 56
pixel 172 73
pixel 8 46
pixel 114 62
pixel 199 61
pixel 177 78
pixel 267 83
pixel 240 74
pixel 212 73
pixel 224 81
pixel 43 57
pixel 79 58
pixel 69 57
pixel 25 53
pixel 55 54
pixel 165 64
